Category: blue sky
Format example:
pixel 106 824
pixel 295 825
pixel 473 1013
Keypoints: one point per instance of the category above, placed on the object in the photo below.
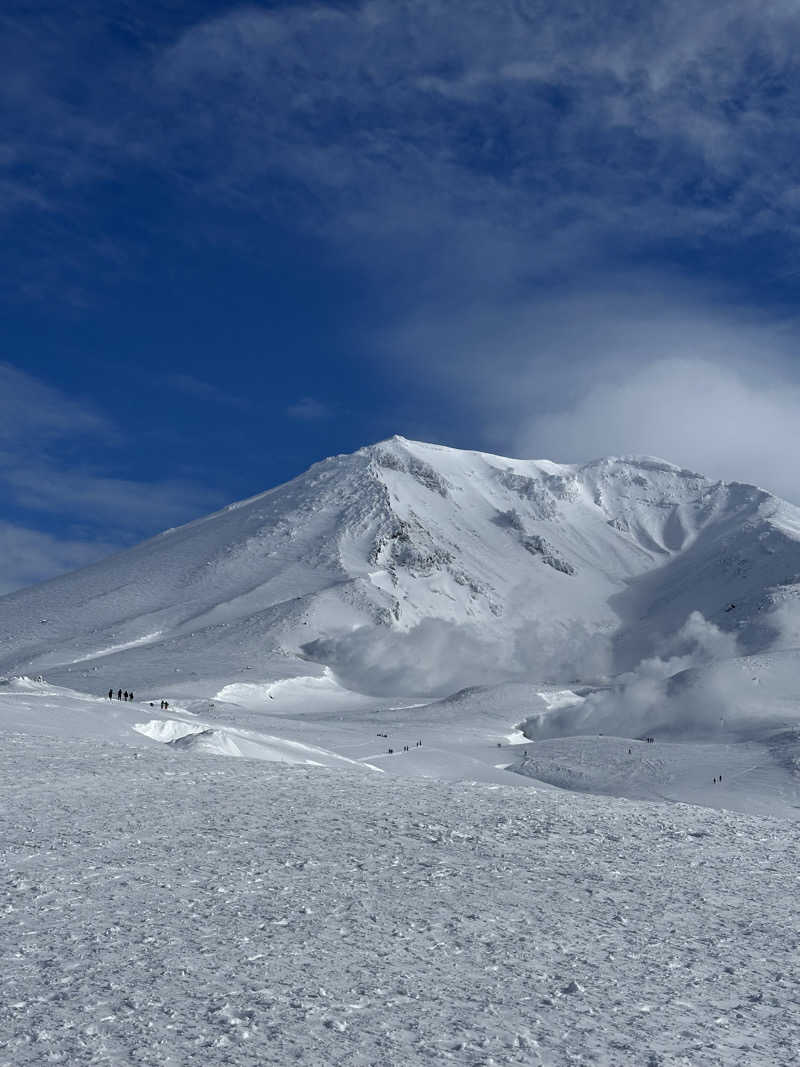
pixel 238 238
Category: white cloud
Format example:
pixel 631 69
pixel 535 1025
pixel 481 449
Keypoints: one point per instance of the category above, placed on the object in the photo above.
pixel 642 364
pixel 656 368
pixel 697 414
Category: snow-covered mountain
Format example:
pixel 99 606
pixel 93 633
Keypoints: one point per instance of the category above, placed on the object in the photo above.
pixel 412 568
pixel 515 917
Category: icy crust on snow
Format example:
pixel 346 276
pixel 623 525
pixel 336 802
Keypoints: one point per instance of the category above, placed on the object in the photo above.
pixel 248 744
pixel 405 537
pixel 162 909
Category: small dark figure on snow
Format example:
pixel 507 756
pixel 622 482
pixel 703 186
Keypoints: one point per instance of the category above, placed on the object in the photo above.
pixel 130 695
pixel 119 694
pixel 111 694
pixel 125 695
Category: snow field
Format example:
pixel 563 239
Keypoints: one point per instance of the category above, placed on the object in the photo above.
pixel 750 777
pixel 165 907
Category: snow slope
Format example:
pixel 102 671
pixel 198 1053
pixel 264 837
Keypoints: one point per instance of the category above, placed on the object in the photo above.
pixel 413 568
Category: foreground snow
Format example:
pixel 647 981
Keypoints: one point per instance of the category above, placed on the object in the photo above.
pixel 163 906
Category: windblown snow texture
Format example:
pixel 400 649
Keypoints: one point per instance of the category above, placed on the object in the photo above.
pixel 175 908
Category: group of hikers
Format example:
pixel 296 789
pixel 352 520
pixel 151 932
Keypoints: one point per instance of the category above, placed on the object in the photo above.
pixel 121 694
pixel 406 748
pixel 124 694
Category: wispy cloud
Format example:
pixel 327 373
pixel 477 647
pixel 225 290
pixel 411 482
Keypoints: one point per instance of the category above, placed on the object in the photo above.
pixel 36 413
pixel 564 124
pixel 44 484
pixel 308 409
pixel 203 391
pixel 125 507
pixel 396 116
pixel 29 555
